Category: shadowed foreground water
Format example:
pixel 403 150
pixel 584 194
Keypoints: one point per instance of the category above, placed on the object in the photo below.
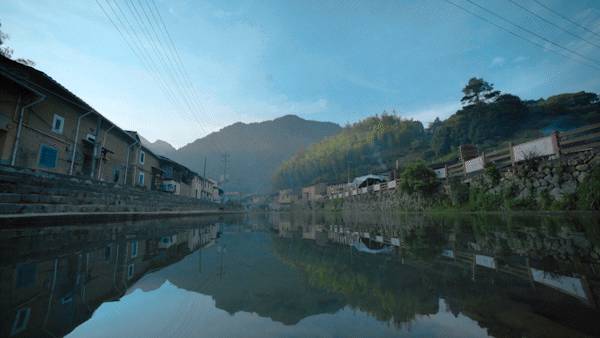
pixel 284 275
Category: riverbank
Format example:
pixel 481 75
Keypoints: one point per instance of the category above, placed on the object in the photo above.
pixel 555 184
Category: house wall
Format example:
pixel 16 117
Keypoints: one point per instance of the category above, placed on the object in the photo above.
pixel 111 168
pixel 136 167
pixel 37 132
pixel 9 96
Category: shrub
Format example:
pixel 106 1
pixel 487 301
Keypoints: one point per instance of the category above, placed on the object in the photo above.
pixel 588 192
pixel 492 173
pixel 418 178
pixel 459 192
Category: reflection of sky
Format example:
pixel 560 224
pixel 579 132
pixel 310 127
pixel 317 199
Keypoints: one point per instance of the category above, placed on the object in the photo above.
pixel 173 312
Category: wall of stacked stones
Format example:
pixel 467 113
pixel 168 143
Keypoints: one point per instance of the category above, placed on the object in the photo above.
pixel 558 177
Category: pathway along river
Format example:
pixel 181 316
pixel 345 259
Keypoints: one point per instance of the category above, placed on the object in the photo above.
pixel 281 275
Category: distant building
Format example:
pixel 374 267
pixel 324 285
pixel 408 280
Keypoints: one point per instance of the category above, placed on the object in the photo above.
pixel 314 192
pixel 336 189
pixel 367 180
pixel 287 196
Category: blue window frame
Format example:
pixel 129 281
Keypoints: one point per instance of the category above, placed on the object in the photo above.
pixel 48 156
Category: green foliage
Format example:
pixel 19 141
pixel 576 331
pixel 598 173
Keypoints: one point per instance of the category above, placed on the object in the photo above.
pixel 478 91
pixel 480 200
pixel 371 145
pixel 485 124
pixel 418 178
pixel 588 193
pixel 489 119
pixel 458 193
pixel 492 173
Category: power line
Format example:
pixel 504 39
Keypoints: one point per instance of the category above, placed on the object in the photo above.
pixel 532 32
pixel 516 34
pixel 157 62
pixel 166 61
pixel 553 24
pixel 172 48
pixel 566 18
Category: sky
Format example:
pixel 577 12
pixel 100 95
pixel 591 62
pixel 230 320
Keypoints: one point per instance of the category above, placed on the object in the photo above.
pixel 337 61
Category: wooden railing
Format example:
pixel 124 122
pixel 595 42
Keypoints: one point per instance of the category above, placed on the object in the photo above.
pixel 557 144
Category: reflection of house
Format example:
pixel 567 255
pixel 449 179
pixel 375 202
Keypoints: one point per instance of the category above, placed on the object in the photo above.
pixel 314 192
pixel 55 289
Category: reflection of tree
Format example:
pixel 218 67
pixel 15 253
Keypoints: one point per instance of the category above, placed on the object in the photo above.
pixel 383 288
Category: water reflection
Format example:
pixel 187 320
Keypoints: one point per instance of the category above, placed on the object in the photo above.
pixel 305 275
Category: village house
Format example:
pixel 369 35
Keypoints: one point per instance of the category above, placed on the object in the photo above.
pixel 177 178
pixel 143 166
pixel 314 192
pixel 337 189
pixel 45 126
pixel 287 196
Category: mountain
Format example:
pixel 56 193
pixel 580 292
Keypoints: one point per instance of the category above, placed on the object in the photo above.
pixel 159 147
pixel 253 150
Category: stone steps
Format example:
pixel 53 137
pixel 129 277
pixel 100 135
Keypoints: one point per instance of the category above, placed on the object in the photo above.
pixel 31 191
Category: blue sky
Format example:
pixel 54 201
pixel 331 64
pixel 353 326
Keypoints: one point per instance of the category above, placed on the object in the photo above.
pixel 325 60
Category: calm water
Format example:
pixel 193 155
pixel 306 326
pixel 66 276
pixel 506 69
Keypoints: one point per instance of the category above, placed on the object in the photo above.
pixel 286 275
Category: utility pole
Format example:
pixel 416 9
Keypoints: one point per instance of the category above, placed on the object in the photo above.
pixel 204 179
pixel 225 159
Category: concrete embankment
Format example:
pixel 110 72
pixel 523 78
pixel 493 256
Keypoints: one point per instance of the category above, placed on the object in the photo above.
pixel 27 194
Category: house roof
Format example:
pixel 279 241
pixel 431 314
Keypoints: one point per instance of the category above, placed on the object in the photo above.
pixel 39 81
pixel 359 180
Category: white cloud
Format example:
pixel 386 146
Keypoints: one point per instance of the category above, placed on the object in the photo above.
pixel 498 61
pixel 428 114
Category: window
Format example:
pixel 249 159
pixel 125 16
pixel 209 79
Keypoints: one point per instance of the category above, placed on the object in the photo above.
pixel 142 156
pixel 48 156
pixel 116 175
pixel 130 271
pixel 21 320
pixel 134 248
pixel 26 274
pixel 141 179
pixel 107 252
pixel 68 298
pixel 58 124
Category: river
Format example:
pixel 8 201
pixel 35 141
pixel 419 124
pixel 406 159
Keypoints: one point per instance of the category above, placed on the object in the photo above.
pixel 305 275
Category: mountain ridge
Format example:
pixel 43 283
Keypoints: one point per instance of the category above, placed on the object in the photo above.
pixel 254 150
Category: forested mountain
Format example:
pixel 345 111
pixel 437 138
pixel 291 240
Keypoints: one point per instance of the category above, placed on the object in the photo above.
pixel 250 153
pixel 488 118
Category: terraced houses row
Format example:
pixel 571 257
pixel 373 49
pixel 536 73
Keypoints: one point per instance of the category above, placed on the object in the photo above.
pixel 45 126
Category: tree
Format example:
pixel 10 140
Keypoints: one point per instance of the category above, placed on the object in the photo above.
pixel 478 91
pixel 7 52
pixel 418 178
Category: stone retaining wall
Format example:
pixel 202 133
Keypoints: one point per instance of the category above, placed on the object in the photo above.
pixel 24 191
pixel 557 177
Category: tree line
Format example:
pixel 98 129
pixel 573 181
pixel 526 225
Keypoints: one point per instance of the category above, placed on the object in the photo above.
pixel 487 118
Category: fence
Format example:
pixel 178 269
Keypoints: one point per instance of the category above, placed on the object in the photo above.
pixel 557 144
pixel 390 185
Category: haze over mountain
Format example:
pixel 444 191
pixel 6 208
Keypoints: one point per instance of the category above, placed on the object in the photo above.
pixel 160 147
pixel 254 150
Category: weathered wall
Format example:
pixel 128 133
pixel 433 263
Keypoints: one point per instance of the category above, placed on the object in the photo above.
pixel 556 178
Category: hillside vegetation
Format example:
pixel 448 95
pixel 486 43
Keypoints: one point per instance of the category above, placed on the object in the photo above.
pixel 488 119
